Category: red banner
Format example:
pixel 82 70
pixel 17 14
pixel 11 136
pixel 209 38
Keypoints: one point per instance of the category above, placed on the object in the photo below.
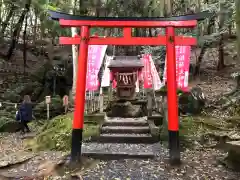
pixel 95 57
pixel 147 75
pixel 182 66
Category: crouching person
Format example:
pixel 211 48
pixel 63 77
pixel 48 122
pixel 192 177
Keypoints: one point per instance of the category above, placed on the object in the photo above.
pixel 24 114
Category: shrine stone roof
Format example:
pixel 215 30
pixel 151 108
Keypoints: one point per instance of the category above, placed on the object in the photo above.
pixel 126 61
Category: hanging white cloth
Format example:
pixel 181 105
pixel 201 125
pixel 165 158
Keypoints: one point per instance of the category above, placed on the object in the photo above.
pixel 106 73
pixel 137 85
pixel 157 83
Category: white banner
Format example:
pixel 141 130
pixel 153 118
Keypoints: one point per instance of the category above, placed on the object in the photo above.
pixel 137 85
pixel 106 73
pixel 157 83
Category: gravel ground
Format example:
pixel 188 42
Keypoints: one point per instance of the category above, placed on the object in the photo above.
pixel 12 150
pixel 120 148
pixel 33 167
pixel 197 165
pixel 127 135
pixel 6 147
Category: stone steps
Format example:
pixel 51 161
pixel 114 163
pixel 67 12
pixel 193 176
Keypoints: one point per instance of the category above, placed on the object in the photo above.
pixel 126 122
pixel 118 151
pixel 126 129
pixel 122 138
pixel 126 138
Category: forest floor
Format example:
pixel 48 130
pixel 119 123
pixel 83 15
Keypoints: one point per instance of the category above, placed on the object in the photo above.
pixel 199 162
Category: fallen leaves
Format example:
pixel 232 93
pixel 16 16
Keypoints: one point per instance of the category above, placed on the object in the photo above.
pixel 16 158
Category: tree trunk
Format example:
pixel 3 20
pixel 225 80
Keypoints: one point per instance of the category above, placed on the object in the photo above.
pixel 74 54
pixel 221 64
pixel 168 8
pixel 42 30
pixel 25 46
pixel 18 29
pixel 1 10
pixel 203 49
pixel 12 26
pixel 237 4
pixel 98 8
pixel 7 20
pixel 35 27
pixel 50 50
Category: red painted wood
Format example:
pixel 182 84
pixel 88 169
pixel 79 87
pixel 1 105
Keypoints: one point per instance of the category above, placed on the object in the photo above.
pixel 171 82
pixel 161 40
pixel 92 23
pixel 127 32
pixel 78 119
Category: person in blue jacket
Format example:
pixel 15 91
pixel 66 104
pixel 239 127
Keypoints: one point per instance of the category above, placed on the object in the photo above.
pixel 25 114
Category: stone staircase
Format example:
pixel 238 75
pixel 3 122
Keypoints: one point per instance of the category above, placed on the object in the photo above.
pixel 123 138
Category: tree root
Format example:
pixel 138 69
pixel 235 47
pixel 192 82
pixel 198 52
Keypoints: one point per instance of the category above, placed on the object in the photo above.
pixel 211 125
pixel 232 98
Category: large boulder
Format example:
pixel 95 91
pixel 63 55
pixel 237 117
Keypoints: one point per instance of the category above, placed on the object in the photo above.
pixel 192 102
pixel 10 126
pixel 233 158
pixel 7 119
pixel 125 110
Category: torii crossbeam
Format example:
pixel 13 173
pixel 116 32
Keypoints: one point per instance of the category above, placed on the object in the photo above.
pixel 170 40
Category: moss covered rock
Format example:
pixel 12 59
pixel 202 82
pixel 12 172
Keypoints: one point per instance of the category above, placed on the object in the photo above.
pixel 10 126
pixel 7 119
pixel 124 109
pixel 56 134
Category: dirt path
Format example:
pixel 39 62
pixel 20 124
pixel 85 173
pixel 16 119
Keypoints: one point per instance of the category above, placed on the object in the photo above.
pixel 18 163
pixel 197 164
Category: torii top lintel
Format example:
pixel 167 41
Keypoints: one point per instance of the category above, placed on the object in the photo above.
pixel 68 20
pixel 187 21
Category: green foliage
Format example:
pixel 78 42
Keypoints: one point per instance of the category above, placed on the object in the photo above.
pixel 56 108
pixel 187 127
pixel 53 8
pixel 56 134
pixel 189 130
pixel 163 90
pixel 4 119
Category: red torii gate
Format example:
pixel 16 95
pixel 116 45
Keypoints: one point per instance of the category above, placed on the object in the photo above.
pixel 170 40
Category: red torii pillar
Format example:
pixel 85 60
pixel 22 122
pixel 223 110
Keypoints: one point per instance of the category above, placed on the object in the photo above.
pixel 169 40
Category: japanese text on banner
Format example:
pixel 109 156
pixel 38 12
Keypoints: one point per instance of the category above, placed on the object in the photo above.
pixel 182 67
pixel 95 58
pixel 147 76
